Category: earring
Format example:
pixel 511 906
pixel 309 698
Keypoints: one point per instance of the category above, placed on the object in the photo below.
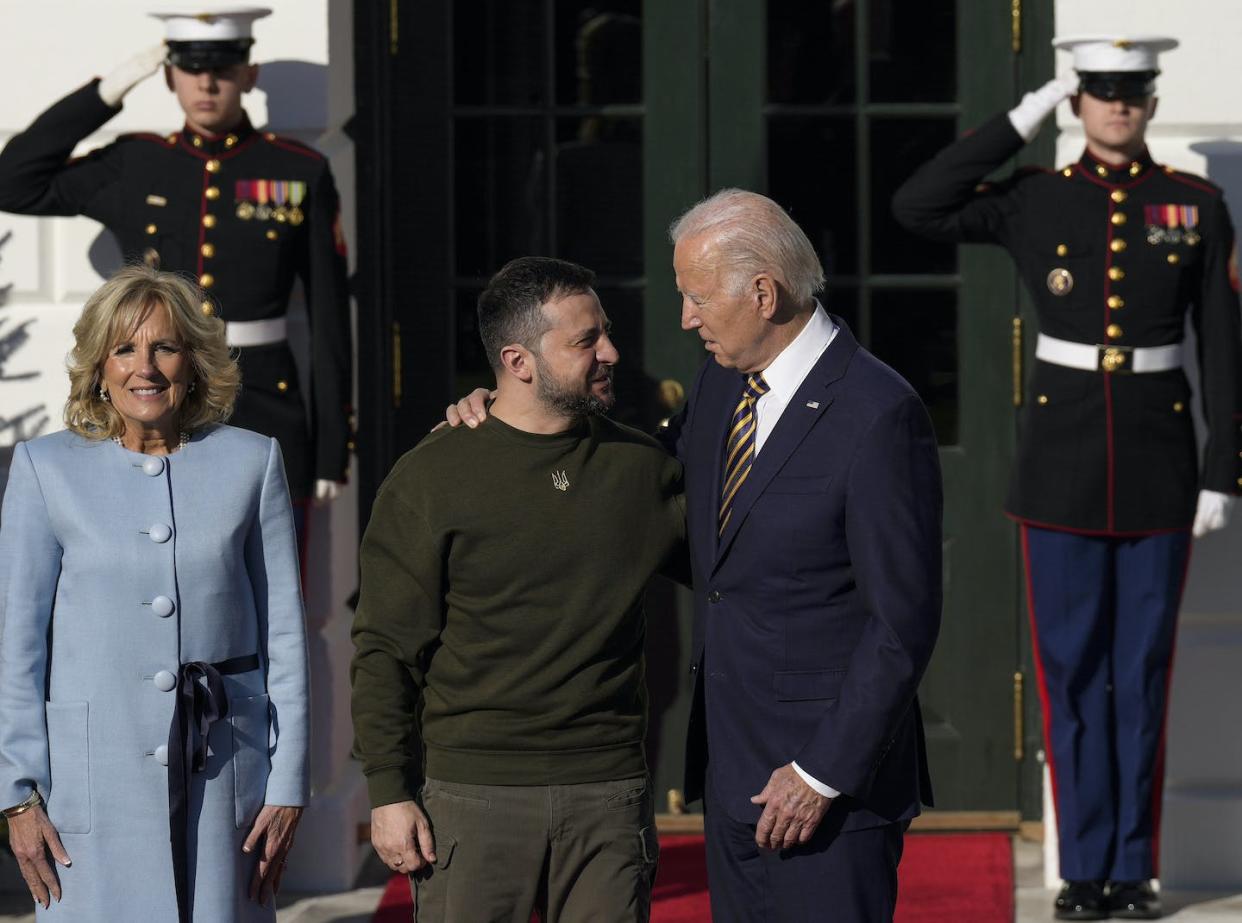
pixel 103 395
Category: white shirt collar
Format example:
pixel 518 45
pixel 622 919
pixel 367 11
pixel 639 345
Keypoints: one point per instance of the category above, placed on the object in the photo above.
pixel 788 370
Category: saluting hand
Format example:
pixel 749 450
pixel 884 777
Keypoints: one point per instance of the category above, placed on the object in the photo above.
pixel 275 825
pixel 32 837
pixel 792 810
pixel 112 88
pixel 401 835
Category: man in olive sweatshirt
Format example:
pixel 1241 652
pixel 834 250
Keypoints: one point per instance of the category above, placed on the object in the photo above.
pixel 499 700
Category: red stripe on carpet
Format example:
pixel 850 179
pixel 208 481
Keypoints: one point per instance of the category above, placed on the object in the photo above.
pixel 943 878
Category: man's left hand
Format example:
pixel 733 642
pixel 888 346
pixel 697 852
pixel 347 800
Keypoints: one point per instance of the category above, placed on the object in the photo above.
pixel 791 813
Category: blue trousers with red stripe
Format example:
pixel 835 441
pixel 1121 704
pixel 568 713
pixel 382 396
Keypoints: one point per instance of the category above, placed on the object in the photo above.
pixel 1104 614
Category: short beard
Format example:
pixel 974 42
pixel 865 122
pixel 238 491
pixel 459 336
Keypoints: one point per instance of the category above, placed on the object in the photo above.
pixel 567 402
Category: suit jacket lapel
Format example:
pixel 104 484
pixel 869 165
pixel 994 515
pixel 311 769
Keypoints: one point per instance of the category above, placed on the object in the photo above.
pixel 796 421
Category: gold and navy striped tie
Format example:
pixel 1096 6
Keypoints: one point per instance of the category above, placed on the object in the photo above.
pixel 740 446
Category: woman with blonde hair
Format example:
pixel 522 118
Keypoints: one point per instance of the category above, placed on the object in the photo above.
pixel 153 671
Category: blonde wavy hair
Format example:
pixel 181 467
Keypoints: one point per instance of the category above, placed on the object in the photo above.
pixel 112 314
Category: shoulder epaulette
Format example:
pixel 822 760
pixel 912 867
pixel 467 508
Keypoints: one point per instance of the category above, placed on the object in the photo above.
pixel 292 144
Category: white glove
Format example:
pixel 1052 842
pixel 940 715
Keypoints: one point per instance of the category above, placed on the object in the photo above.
pixel 1028 115
pixel 326 491
pixel 1212 513
pixel 112 89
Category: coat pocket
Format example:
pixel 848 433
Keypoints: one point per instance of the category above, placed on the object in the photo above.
pixel 251 756
pixel 68 746
pixel 807 685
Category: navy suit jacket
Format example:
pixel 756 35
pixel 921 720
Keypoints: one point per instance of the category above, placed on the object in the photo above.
pixel 817 610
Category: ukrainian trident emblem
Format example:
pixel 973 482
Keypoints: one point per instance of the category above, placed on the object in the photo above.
pixel 560 480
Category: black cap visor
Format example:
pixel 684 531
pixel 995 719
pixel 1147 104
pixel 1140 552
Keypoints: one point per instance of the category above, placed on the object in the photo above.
pixel 1118 84
pixel 196 57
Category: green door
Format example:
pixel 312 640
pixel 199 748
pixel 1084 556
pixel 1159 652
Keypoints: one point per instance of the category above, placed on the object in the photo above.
pixel 581 128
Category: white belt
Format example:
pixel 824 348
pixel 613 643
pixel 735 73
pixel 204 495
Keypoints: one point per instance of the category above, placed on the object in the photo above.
pixel 1093 358
pixel 257 332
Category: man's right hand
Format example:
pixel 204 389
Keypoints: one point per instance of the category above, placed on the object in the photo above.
pixel 112 88
pixel 401 835
pixel 32 837
pixel 1029 114
pixel 471 409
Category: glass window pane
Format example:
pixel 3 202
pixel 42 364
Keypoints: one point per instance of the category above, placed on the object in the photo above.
pixel 499 201
pixel 916 333
pixel 599 194
pixel 898 148
pixel 913 51
pixel 811 172
pixel 472 368
pixel 599 54
pixel 498 53
pixel 810 52
pixel 842 301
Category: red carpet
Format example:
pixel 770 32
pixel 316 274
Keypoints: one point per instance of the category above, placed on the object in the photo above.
pixel 945 878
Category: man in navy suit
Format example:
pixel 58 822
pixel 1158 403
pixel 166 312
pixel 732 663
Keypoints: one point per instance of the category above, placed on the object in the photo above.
pixel 814 507
pixel 813 504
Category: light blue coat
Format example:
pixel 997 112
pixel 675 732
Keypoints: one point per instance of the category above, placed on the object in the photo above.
pixel 90 536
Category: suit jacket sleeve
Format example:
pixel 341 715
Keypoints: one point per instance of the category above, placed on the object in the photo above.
pixel 29 572
pixel 38 178
pixel 893 528
pixel 399 619
pixel 1219 340
pixel 327 301
pixel 946 198
pixel 272 561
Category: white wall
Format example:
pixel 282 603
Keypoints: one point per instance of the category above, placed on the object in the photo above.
pixel 49 48
pixel 1198 128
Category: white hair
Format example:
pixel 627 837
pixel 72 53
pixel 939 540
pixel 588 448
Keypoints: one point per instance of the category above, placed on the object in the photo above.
pixel 753 234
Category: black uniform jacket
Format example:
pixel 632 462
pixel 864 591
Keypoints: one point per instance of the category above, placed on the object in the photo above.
pixel 207 207
pixel 1115 257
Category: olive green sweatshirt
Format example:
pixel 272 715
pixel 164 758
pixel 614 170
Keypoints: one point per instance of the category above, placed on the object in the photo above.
pixel 499 632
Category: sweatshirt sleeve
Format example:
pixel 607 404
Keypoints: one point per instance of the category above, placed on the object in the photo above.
pixel 399 619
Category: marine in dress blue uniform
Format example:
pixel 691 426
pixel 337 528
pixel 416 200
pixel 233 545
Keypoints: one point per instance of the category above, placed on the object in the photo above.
pixel 244 212
pixel 1116 252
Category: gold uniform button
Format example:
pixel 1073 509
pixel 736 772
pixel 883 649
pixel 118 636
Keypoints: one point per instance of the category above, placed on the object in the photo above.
pixel 282 386
pixel 1136 168
pixel 198 142
pixel 209 221
pixel 230 140
pixel 1178 407
pixel 212 192
pixel 1173 259
pixel 208 250
pixel 350 445
pixel 1062 249
pixel 208 309
pixel 172 139
pixel 1113 331
pixel 1117 245
pixel 1101 171
pixel 1118 218
pixel 1043 399
pixel 271 234
pixel 212 166
pixel 206 280
pixel 1116 301
pixel 151 229
pixel 1067 172
pixel 271 136
pixel 1116 273
pixel 1118 195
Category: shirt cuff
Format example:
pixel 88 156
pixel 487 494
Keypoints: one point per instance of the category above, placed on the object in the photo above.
pixel 826 790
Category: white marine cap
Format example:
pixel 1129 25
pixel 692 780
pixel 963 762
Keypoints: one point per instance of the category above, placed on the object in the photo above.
pixel 213 24
pixel 1115 53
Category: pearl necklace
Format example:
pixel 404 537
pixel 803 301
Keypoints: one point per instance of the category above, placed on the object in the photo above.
pixel 185 439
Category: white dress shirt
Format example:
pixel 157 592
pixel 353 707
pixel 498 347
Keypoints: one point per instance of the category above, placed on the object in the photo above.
pixel 784 377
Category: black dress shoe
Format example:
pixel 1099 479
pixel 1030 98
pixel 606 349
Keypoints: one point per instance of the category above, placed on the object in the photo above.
pixel 1134 900
pixel 1081 900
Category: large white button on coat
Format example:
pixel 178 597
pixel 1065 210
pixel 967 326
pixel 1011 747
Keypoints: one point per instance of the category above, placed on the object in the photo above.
pixel 162 606
pixel 161 754
pixel 153 466
pixel 159 533
pixel 165 681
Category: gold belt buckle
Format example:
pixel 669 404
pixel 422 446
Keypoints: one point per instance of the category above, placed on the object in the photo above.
pixel 1115 359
